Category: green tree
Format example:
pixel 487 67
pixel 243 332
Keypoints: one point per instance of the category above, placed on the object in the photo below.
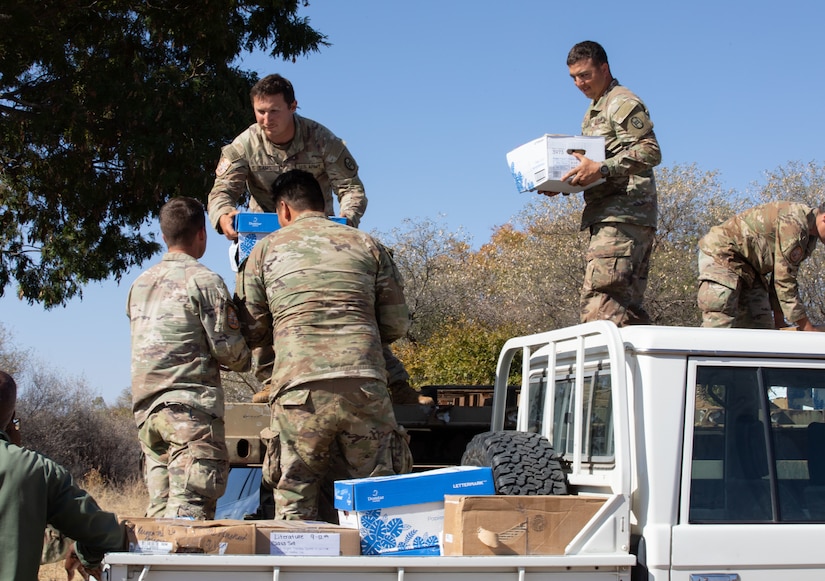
pixel 110 108
pixel 690 203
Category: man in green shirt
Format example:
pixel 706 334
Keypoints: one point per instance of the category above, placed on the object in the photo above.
pixel 36 491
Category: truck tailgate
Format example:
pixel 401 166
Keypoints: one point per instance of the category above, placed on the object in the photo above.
pixel 181 567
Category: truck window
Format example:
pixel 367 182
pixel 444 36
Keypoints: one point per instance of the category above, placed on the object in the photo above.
pixel 597 445
pixel 758 445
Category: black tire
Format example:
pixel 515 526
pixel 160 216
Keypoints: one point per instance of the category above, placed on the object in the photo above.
pixel 523 463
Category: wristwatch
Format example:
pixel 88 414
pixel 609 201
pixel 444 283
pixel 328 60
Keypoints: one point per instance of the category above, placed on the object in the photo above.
pixel 604 170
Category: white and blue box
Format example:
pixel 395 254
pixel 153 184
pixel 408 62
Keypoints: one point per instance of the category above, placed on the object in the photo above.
pixel 254 226
pixel 404 514
pixel 541 163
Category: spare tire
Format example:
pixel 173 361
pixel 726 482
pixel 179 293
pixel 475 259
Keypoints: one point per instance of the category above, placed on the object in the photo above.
pixel 523 463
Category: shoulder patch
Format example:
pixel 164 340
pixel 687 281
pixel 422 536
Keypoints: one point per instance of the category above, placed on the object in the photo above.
pixel 349 163
pixel 636 122
pixel 796 254
pixel 232 318
pixel 223 166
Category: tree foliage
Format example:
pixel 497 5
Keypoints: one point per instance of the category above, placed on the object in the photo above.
pixel 110 108
pixel 527 277
pixel 61 417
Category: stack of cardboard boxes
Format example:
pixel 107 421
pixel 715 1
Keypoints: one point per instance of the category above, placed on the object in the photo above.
pixel 448 511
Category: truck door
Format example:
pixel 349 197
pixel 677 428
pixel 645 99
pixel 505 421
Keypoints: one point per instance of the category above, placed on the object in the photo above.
pixel 752 503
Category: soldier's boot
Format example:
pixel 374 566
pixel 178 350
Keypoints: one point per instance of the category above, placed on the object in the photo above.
pixel 403 393
pixel 262 396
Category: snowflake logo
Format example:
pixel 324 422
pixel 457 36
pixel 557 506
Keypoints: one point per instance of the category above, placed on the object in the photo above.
pixel 379 534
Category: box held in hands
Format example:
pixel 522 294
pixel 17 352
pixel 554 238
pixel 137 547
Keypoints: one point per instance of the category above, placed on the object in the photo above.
pixel 514 525
pixel 404 514
pixel 253 227
pixel 541 163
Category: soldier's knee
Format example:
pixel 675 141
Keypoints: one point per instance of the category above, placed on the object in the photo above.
pixel 207 469
pixel 609 274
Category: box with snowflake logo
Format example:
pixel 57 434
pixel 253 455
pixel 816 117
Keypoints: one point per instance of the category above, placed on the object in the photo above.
pixel 404 514
pixel 254 226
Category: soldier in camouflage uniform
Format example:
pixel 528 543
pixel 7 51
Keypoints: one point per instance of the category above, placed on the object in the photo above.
pixel 620 213
pixel 184 327
pixel 327 296
pixel 279 141
pixel 748 266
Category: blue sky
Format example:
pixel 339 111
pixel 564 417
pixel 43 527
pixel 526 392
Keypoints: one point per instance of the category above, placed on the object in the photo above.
pixel 431 95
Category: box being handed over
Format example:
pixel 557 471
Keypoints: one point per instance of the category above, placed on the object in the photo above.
pixel 404 514
pixel 253 227
pixel 541 163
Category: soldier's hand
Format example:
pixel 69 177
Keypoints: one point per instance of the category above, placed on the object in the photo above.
pixel 227 224
pixel 73 565
pixel 583 174
pixel 548 194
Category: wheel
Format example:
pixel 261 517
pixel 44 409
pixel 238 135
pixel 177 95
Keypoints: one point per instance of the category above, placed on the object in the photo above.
pixel 523 463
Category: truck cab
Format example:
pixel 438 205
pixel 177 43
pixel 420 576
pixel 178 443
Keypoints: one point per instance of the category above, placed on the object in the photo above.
pixel 716 438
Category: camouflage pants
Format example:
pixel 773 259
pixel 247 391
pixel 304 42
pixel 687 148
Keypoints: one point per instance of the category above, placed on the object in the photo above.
pixel 729 300
pixel 330 430
pixel 618 260
pixel 186 462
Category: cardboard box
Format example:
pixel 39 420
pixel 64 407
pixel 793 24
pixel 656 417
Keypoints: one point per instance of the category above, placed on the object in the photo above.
pixel 254 226
pixel 404 514
pixel 305 538
pixel 514 525
pixel 170 535
pixel 541 163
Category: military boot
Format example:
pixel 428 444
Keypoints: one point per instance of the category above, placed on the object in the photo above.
pixel 262 396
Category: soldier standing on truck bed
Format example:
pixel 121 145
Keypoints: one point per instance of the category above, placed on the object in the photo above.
pixel 748 266
pixel 184 327
pixel 327 296
pixel 621 213
pixel 281 140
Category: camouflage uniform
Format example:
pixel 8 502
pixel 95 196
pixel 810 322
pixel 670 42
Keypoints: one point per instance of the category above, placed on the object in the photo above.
pixel 327 296
pixel 621 213
pixel 184 326
pixel 737 257
pixel 251 162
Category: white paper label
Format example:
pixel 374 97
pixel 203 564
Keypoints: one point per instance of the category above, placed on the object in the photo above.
pixel 305 544
pixel 152 547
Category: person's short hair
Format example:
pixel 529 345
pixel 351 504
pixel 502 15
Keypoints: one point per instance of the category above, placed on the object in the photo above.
pixel 8 399
pixel 299 189
pixel 821 208
pixel 273 85
pixel 181 219
pixel 587 49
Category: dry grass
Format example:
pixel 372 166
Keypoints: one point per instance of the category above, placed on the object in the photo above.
pixel 125 500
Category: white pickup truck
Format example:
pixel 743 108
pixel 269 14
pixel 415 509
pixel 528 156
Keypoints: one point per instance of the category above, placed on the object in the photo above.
pixel 708 446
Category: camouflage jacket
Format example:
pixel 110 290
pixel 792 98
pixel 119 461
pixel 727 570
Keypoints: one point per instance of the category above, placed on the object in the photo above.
pixel 631 153
pixel 327 296
pixel 251 163
pixel 771 239
pixel 184 326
